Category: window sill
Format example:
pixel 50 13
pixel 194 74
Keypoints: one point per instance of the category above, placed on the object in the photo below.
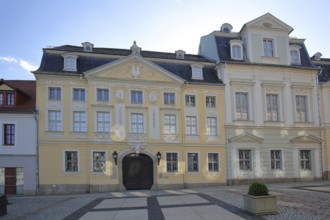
pixel 66 173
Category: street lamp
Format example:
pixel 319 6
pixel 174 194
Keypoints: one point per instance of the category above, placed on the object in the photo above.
pixel 159 155
pixel 115 156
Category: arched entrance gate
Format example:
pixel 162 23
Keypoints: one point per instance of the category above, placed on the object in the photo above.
pixel 138 171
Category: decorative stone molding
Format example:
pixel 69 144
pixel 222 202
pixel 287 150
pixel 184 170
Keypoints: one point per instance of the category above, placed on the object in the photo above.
pixel 120 95
pixel 101 136
pixel 171 138
pixel 153 97
pixel 137 138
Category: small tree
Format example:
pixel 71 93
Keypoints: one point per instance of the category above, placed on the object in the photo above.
pixel 258 189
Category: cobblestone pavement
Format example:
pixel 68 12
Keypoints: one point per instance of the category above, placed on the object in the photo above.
pixel 303 200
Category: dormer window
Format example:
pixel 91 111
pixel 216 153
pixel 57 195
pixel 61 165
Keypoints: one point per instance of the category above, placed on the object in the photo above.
pixel 236 49
pixel 88 47
pixel 7 99
pixel 70 62
pixel 180 54
pixel 197 71
pixel 295 54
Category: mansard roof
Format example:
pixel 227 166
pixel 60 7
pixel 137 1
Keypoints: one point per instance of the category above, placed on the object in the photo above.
pixel 27 90
pixel 52 62
pixel 324 65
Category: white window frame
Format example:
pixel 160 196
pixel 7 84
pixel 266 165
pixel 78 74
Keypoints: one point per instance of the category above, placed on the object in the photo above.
pixel 276 160
pixel 268 52
pixel 167 100
pixel 197 71
pixel 188 100
pixel 238 44
pixel 198 161
pixel 143 123
pixel 239 114
pixel 70 62
pixel 105 161
pixel 170 124
pixel 304 160
pixel 64 161
pixel 80 97
pixel 209 103
pixel 296 49
pixel 59 123
pixel 81 125
pixel 55 98
pixel 211 130
pixel 103 123
pixel 177 162
pixel 270 108
pixel 103 99
pixel 218 162
pixel 244 159
pixel 136 95
pixel 190 125
pixel 298 111
pixel 3 133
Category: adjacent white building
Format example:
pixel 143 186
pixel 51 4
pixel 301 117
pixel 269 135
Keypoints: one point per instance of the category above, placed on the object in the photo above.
pixel 18 128
pixel 271 107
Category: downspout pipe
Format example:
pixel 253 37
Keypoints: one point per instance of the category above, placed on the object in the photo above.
pixel 36 114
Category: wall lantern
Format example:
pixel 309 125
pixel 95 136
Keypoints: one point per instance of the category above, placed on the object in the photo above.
pixel 159 155
pixel 115 156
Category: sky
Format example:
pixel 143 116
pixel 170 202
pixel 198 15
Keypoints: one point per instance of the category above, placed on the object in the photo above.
pixel 28 26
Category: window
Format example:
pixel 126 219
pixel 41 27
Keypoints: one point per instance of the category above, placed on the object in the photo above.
pixel 197 72
pixel 236 52
pixel 276 159
pixel 190 100
pixel 54 94
pixel 301 108
pixel 79 122
pixel 171 162
pixel 169 98
pixel 136 97
pixel 169 124
pixel 210 101
pixel 10 99
pixel 78 94
pixel 244 157
pixel 71 161
pixel 193 162
pixel 102 95
pixel 211 126
pixel 268 47
pixel 70 62
pixel 137 123
pixel 99 162
pixel 191 125
pixel 295 56
pixel 9 134
pixel 242 106
pixel 272 107
pixel 213 162
pixel 1 99
pixel 54 121
pixel 305 160
pixel 103 121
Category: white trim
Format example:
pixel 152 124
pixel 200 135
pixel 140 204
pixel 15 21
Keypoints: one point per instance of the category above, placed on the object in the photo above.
pixel 178 162
pixel 190 94
pixel 72 94
pixel 103 88
pixel 239 43
pixel 3 134
pixel 297 49
pixel 282 161
pixel 169 105
pixel 69 56
pixel 143 97
pixel 104 110
pixel 130 112
pixel 197 71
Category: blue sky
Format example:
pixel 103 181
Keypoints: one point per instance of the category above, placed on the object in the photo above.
pixel 28 26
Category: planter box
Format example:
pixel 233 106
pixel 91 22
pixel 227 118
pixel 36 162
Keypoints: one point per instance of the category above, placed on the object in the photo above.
pixel 260 205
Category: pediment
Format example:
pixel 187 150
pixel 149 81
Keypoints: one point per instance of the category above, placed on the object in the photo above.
pixel 306 139
pixel 133 67
pixel 5 87
pixel 269 21
pixel 246 138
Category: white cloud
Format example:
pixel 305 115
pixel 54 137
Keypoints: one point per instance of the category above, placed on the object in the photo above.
pixel 24 64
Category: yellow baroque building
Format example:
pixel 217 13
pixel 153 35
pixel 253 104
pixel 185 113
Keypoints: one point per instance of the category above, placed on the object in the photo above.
pixel 116 119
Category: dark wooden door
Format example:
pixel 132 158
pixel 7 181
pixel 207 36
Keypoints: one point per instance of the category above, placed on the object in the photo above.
pixel 10 180
pixel 138 171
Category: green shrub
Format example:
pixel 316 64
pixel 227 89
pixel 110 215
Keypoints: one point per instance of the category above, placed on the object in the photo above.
pixel 258 189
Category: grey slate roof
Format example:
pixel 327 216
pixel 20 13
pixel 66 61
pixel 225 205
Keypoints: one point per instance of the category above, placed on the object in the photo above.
pixel 324 64
pixel 223 47
pixel 53 63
